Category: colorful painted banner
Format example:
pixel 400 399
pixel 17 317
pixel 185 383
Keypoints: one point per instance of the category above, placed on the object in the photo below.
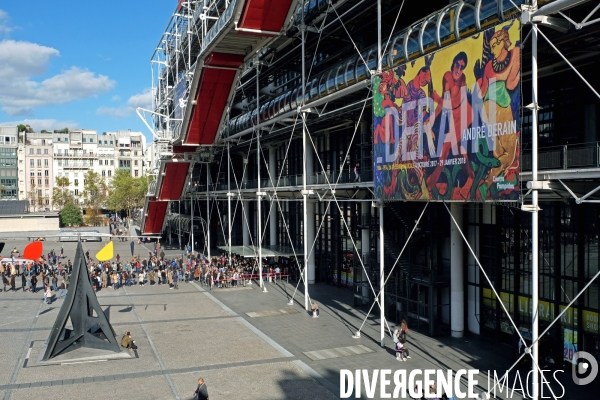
pixel 447 126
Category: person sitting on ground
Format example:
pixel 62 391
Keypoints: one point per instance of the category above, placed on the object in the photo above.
pixel 402 350
pixel 315 309
pixel 128 342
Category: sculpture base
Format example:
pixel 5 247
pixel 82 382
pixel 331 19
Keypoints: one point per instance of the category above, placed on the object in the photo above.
pixel 82 355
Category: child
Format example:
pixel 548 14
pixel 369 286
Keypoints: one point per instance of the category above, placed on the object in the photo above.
pixel 401 350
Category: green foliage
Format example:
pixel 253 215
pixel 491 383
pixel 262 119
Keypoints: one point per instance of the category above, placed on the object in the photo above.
pixel 94 197
pixel 71 215
pixel 61 195
pixel 127 192
pixel 22 128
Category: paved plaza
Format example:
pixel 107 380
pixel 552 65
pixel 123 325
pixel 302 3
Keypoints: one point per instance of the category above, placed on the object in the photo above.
pixel 245 344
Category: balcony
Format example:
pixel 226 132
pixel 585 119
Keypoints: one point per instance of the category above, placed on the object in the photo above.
pixel 570 156
pixel 75 154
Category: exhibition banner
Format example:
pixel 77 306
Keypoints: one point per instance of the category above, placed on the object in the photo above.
pixel 447 125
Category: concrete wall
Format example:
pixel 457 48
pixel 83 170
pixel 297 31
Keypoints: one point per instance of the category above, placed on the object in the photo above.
pixel 29 223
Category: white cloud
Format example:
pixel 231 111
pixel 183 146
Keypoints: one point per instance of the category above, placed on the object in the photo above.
pixel 4 22
pixel 38 124
pixel 116 97
pixel 20 94
pixel 143 100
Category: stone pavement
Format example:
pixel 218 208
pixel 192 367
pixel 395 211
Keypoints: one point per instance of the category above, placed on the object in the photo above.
pixel 245 343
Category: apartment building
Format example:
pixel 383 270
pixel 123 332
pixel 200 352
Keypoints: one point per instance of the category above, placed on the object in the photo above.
pixel 8 163
pixel 36 168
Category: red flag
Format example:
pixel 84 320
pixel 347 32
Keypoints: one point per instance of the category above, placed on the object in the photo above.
pixel 33 251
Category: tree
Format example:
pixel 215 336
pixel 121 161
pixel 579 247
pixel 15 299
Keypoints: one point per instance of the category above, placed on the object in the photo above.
pixel 71 215
pixel 61 195
pixel 94 197
pixel 1 191
pixel 126 192
pixel 22 128
pixel 32 195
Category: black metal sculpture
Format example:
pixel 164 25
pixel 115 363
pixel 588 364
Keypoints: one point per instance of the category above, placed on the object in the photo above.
pixel 91 328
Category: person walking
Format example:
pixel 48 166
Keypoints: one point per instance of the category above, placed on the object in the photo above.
pixel 48 295
pixel 23 281
pixel 201 392
pixel 175 280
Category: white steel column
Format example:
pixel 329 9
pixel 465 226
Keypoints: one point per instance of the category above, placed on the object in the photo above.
pixel 381 275
pixel 457 287
pixel 245 206
pixel 304 172
pixel 192 221
pixel 365 240
pixel 310 238
pixel 258 193
pixel 273 213
pixel 534 214
pixel 229 201
pixel 208 210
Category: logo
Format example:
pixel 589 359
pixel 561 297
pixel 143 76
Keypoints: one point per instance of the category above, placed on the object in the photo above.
pixel 588 367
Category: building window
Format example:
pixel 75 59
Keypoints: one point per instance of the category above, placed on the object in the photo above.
pixel 91 140
pixel 39 151
pixel 46 151
pixel 103 173
pixel 40 183
pixel 83 140
pixel 76 193
pixel 32 174
pixel 39 162
pixel 112 162
pixel 111 142
pixel 47 202
pixel 46 182
pixel 60 163
pixel 46 173
pixel 39 174
pixel 136 172
pixel 105 162
pixel 109 172
pixel 45 162
pixel 76 182
pixel 31 150
pixel 135 153
pixel 32 182
pixel 135 162
pixel 58 139
pixel 32 162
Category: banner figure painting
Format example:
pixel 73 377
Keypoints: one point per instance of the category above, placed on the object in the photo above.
pixel 447 126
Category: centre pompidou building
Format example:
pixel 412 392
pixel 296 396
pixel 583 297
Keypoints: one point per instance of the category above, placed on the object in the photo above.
pixel 440 160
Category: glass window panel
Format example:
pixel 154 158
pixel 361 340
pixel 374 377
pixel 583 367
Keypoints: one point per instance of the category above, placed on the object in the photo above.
pixel 466 21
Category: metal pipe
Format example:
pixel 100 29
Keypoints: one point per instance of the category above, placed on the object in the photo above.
pixel 326 99
pixel 208 211
pixel 259 194
pixel 555 6
pixel 304 171
pixel 379 55
pixel 381 276
pixel 534 215
pixel 229 200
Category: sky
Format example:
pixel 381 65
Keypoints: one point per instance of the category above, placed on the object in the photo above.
pixel 66 64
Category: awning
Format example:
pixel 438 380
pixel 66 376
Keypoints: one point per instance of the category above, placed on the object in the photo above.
pixel 216 83
pixel 175 174
pixel 155 217
pixel 265 15
pixel 267 251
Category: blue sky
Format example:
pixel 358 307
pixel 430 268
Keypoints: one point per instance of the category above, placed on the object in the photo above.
pixel 78 64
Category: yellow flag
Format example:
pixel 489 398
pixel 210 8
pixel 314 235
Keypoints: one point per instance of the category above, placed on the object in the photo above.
pixel 106 253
